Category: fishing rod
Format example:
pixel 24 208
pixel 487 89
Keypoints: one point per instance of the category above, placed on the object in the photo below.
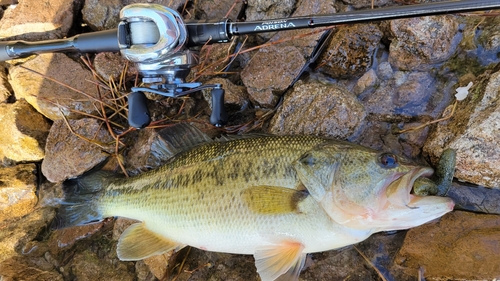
pixel 158 41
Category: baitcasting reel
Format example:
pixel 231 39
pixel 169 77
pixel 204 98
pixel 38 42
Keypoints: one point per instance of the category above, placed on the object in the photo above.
pixel 157 40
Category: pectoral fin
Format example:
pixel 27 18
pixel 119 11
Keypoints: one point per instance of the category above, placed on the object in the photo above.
pixel 273 199
pixel 137 243
pixel 286 258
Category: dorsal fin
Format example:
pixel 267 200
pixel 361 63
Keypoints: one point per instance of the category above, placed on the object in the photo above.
pixel 177 138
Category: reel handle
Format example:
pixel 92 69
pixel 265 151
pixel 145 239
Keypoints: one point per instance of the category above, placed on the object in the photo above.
pixel 138 111
pixel 219 116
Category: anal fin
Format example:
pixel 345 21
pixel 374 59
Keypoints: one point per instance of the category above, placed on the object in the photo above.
pixel 271 200
pixel 285 260
pixel 137 243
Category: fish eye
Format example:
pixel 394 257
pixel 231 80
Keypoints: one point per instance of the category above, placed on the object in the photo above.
pixel 388 160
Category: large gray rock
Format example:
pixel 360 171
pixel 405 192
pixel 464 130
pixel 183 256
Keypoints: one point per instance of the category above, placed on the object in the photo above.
pixel 474 132
pixel 38 20
pixel 319 109
pixel 419 43
pixel 50 98
pixel 69 155
pixel 23 132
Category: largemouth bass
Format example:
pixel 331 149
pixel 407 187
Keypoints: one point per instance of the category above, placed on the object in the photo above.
pixel 274 197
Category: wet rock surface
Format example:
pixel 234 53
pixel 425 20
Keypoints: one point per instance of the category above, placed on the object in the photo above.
pixel 374 80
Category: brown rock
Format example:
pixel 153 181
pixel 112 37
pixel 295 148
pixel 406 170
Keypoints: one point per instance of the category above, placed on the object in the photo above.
pixel 460 246
pixel 350 51
pixel 18 268
pixel 5 88
pixel 48 97
pixel 315 108
pixel 474 132
pixel 16 233
pixel 69 155
pixel 87 266
pixel 17 191
pixel 421 42
pixel 360 4
pixel 270 73
pixel 51 19
pixel 111 65
pixel 159 264
pixel 23 132
pixel 102 15
pixel 267 9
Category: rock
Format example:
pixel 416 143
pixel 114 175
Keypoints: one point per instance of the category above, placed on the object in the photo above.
pixel 473 132
pixel 404 96
pixel 207 10
pixel 272 69
pixel 17 191
pixel 102 15
pixel 385 71
pixel 48 97
pixel 158 265
pixel 477 199
pixel 16 233
pixel 111 65
pixel 69 155
pixel 367 81
pixel 19 268
pixel 25 22
pixel 350 51
pixel 5 88
pixel 267 9
pixel 315 108
pixel 366 4
pixel 270 73
pixel 460 246
pixel 421 42
pixel 23 132
pixel 87 266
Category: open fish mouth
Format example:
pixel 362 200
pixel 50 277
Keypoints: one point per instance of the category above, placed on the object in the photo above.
pixel 405 210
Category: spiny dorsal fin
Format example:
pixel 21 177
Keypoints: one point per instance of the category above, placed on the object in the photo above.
pixel 273 199
pixel 178 138
pixel 285 258
pixel 137 243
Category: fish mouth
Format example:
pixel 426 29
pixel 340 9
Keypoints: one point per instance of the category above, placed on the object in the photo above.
pixel 404 210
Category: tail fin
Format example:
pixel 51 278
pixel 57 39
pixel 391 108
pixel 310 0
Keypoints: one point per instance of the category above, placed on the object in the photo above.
pixel 80 204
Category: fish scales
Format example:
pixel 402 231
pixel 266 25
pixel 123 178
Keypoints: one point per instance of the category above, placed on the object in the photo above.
pixel 200 190
pixel 275 197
